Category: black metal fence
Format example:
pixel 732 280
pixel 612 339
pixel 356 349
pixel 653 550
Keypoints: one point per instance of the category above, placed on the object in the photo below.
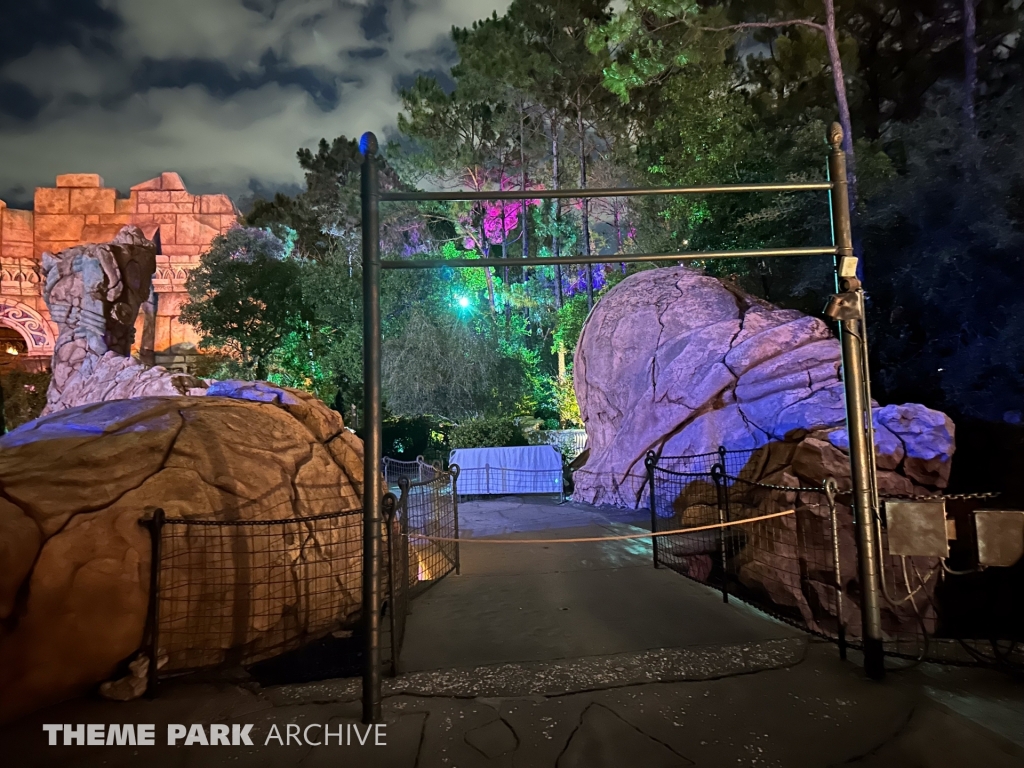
pixel 426 508
pixel 237 592
pixel 414 471
pixel 802 567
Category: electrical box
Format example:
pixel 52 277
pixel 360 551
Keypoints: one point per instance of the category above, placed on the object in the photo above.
pixel 917 528
pixel 1000 535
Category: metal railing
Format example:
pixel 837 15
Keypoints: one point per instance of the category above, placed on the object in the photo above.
pixel 569 442
pixel 415 471
pixel 505 481
pixel 802 568
pixel 426 508
pixel 235 592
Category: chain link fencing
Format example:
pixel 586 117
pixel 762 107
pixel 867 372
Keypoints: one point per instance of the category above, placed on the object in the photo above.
pixel 237 592
pixel 228 593
pixel 803 569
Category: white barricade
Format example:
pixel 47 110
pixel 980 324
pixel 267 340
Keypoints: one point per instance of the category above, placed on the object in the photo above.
pixel 508 471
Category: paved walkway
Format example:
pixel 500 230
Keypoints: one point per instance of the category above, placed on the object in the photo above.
pixel 603 683
pixel 544 602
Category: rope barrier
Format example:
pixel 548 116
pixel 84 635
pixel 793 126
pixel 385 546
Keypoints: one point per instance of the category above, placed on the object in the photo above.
pixel 623 537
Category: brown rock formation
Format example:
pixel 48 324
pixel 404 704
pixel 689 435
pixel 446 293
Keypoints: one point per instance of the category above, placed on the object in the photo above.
pixel 74 562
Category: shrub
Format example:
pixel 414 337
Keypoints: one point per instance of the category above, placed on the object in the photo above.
pixel 500 432
pixel 24 396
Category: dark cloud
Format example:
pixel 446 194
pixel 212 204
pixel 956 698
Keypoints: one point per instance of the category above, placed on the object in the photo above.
pixel 223 91
pixel 221 82
pixel 18 102
pixel 28 23
pixel 375 20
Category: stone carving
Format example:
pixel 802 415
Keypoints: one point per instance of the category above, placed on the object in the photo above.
pixel 94 293
pixel 74 563
pixel 680 363
pixel 29 323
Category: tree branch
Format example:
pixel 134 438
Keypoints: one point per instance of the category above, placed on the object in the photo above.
pixel 766 25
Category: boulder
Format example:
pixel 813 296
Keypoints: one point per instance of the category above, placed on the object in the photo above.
pixel 75 563
pixel 94 292
pixel 679 363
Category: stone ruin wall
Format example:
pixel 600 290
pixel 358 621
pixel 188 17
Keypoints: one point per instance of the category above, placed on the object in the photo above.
pixel 79 209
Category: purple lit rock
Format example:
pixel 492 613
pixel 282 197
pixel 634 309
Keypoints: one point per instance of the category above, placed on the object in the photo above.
pixel 677 362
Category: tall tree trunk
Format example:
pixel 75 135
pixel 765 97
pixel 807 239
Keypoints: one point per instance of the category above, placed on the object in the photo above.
pixel 485 253
pixel 839 82
pixel 504 255
pixel 970 61
pixel 524 219
pixel 558 215
pixel 586 205
pixel 618 231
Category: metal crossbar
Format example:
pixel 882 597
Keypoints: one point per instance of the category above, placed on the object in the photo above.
pixel 574 194
pixel 847 308
pixel 625 258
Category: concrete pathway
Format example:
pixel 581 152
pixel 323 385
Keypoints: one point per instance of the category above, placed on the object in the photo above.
pixel 543 602
pixel 732 688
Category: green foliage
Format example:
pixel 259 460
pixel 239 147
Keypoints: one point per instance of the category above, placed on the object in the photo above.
pixel 944 244
pixel 571 317
pixel 245 297
pixel 406 438
pixel 669 93
pixel 24 396
pixel 568 408
pixel 497 432
pixel 448 366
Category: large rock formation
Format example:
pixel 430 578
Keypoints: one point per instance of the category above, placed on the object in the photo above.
pixel 121 440
pixel 75 563
pixel 94 293
pixel 680 363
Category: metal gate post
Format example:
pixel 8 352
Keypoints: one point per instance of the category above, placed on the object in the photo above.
pixel 155 524
pixel 390 510
pixel 858 415
pixel 454 471
pixel 718 475
pixel 650 462
pixel 373 440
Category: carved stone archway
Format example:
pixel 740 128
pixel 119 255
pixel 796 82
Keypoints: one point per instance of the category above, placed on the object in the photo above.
pixel 30 324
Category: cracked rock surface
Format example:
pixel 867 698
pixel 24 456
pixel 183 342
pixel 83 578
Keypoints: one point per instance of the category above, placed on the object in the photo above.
pixel 75 564
pixel 94 292
pixel 680 363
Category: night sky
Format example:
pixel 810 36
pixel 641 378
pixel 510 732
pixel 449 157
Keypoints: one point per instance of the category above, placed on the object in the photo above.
pixel 222 91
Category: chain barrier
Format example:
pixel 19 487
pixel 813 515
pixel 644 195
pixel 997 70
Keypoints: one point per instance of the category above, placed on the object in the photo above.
pixel 759 567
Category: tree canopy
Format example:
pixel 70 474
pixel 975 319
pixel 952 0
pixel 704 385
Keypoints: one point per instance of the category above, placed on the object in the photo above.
pixel 655 93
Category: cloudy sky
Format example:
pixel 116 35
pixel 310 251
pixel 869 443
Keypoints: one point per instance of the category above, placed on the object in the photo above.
pixel 222 91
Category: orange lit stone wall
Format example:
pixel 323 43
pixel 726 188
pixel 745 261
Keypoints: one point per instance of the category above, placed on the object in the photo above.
pixel 79 209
